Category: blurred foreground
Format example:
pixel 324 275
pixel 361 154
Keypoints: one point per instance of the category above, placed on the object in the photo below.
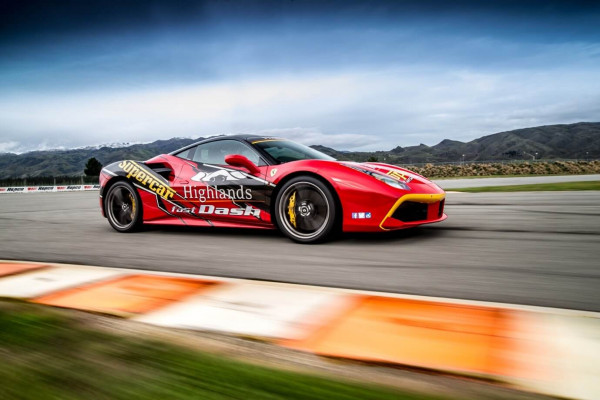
pixel 52 354
pixel 521 347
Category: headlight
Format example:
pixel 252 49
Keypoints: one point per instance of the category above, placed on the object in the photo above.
pixel 383 178
pixel 391 182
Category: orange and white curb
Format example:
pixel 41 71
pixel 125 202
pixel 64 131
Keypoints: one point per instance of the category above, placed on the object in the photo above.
pixel 550 351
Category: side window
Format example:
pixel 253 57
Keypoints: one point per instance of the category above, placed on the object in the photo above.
pixel 215 152
pixel 186 153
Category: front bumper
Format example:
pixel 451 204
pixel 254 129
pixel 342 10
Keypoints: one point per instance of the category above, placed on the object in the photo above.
pixel 415 209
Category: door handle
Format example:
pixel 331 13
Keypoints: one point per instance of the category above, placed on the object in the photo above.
pixel 184 182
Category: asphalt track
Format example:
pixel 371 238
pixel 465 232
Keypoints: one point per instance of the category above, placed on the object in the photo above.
pixel 527 248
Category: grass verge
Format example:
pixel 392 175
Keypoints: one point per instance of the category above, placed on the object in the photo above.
pixel 52 354
pixel 443 178
pixel 540 187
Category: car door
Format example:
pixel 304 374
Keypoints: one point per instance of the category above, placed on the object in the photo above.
pixel 221 193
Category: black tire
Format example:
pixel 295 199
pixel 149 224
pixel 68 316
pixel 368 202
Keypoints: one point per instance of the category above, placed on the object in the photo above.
pixel 123 207
pixel 305 210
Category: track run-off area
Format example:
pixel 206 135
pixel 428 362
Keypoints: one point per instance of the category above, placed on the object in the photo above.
pixel 534 248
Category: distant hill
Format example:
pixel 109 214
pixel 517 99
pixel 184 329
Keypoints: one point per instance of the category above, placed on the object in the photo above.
pixel 580 140
pixel 573 141
pixel 72 162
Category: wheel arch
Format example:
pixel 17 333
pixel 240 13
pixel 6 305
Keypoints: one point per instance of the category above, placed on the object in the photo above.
pixel 107 187
pixel 137 209
pixel 321 178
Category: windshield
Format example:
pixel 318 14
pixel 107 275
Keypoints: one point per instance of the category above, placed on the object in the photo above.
pixel 285 151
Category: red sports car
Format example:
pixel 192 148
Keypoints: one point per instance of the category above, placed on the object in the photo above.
pixel 263 182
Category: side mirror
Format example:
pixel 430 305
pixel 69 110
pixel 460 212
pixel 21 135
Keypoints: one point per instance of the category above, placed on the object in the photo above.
pixel 237 160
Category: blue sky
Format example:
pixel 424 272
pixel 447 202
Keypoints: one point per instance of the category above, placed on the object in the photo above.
pixel 351 75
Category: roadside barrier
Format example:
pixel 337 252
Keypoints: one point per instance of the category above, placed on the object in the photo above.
pixel 40 189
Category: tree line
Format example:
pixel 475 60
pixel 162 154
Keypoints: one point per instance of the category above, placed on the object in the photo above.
pixel 92 172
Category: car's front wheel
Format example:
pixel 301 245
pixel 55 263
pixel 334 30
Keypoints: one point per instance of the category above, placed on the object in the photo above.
pixel 305 210
pixel 123 207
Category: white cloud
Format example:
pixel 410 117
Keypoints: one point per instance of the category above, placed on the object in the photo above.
pixel 310 136
pixel 377 109
pixel 9 147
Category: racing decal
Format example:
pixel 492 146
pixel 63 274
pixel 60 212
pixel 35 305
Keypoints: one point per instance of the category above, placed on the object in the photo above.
pixel 361 215
pixel 208 193
pixel 161 206
pixel 292 209
pixel 207 173
pixel 269 139
pixel 397 175
pixel 209 209
pixel 273 172
pixel 231 191
pixel 228 184
pixel 222 175
pixel 147 178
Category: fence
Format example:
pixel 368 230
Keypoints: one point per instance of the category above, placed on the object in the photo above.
pixel 49 181
pixel 40 189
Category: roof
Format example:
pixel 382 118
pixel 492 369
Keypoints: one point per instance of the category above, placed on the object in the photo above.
pixel 244 137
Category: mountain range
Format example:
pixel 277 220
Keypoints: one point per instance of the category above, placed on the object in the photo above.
pixel 573 141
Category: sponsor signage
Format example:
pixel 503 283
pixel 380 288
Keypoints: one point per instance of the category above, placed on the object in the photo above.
pixel 35 189
pixel 215 193
pixel 361 215
pixel 209 209
pixel 147 179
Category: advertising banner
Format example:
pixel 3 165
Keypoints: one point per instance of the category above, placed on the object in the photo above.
pixel 37 189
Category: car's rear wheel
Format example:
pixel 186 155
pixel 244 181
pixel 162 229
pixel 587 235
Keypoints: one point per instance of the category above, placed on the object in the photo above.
pixel 123 207
pixel 305 210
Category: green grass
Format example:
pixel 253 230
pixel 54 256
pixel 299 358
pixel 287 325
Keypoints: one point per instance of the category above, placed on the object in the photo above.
pixel 441 178
pixel 54 355
pixel 540 187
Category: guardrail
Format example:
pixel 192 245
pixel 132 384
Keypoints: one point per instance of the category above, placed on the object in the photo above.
pixel 39 189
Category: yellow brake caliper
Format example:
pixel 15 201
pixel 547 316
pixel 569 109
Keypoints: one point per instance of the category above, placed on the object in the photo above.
pixel 291 209
pixel 132 205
